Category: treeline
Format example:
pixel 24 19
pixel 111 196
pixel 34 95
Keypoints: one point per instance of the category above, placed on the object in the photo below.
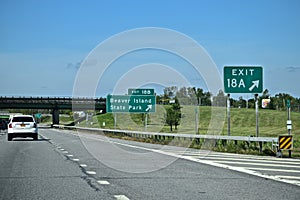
pixel 197 96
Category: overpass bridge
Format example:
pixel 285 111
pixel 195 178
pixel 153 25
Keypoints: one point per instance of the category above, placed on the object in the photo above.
pixel 53 103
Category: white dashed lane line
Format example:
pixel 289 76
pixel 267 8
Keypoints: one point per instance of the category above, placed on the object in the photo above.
pixel 121 197
pixel 91 172
pixel 103 182
pixel 83 165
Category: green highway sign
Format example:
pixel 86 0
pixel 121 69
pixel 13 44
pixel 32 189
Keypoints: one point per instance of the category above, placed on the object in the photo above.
pixel 288 103
pixel 140 91
pixel 243 79
pixel 130 103
pixel 38 115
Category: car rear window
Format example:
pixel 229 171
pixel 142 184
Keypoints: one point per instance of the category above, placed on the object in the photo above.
pixel 22 119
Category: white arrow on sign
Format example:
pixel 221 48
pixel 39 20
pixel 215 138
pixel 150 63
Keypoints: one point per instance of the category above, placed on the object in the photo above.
pixel 149 107
pixel 255 84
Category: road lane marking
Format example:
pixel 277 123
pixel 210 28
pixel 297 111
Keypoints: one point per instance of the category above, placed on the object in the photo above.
pixel 103 182
pixel 289 177
pixel 91 172
pixel 207 162
pixel 253 160
pixel 121 197
pixel 65 152
pixel 70 155
pixel 83 165
pixel 212 155
pixel 273 170
pixel 258 164
pixel 76 159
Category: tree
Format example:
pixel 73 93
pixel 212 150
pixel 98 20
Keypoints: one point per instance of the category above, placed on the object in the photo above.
pixel 170 92
pixel 220 99
pixel 187 96
pixel 203 98
pixel 173 115
pixel 206 99
pixel 240 103
pixel 279 101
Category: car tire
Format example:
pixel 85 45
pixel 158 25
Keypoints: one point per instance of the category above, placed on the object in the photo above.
pixel 35 137
pixel 9 138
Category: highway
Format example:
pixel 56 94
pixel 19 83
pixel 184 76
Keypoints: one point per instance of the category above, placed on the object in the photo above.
pixel 65 164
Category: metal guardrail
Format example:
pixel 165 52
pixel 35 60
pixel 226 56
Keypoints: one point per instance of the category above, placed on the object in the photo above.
pixel 190 136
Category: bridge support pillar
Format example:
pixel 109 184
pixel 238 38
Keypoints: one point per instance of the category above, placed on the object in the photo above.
pixel 55 116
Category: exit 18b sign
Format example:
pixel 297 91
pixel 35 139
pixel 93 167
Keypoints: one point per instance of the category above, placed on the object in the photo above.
pixel 243 79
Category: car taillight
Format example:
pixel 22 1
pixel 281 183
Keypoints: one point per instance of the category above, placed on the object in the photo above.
pixel 10 125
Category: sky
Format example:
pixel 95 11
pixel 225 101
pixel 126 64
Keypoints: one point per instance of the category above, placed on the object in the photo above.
pixel 43 43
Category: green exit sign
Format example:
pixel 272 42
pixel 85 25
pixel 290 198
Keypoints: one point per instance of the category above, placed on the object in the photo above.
pixel 243 79
pixel 140 91
pixel 130 103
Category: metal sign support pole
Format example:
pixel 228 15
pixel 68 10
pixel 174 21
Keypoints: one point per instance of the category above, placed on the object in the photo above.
pixel 115 121
pixel 256 112
pixel 289 130
pixel 257 124
pixel 196 120
pixel 228 114
pixel 146 121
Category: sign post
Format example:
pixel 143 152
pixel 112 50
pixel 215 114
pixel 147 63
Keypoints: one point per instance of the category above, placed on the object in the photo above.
pixel 289 122
pixel 228 114
pixel 256 114
pixel 243 79
pixel 196 120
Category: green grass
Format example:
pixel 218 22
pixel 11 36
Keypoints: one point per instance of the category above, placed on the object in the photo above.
pixel 212 120
pixel 243 121
pixel 132 121
pixel 271 122
pixel 62 119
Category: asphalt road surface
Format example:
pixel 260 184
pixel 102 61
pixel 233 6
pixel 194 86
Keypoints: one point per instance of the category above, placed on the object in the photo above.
pixel 65 164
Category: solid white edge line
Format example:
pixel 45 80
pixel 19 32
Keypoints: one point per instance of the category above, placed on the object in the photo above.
pixel 238 169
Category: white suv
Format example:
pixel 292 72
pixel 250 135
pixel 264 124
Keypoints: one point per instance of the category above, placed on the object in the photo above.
pixel 22 126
